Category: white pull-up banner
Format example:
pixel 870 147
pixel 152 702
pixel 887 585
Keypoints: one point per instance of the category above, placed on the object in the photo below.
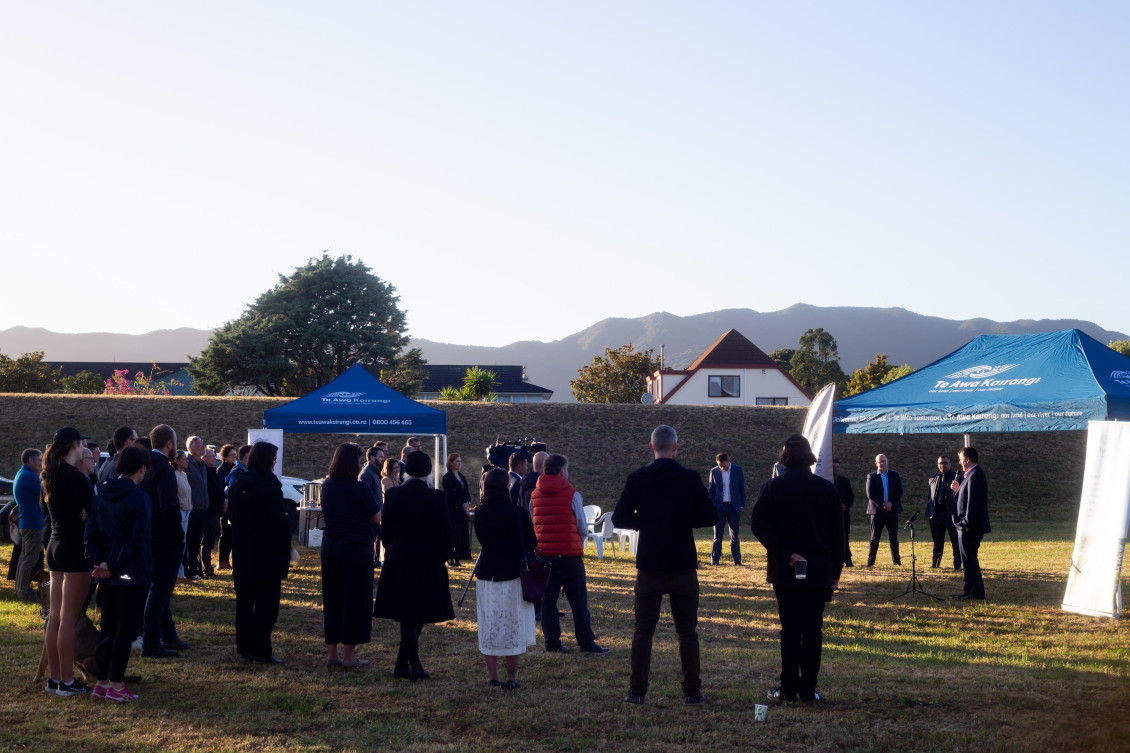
pixel 818 430
pixel 1094 583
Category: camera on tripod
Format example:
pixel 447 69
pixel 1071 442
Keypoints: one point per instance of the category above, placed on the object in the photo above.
pixel 498 454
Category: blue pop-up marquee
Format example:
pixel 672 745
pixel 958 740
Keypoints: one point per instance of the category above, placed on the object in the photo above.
pixel 1049 381
pixel 355 403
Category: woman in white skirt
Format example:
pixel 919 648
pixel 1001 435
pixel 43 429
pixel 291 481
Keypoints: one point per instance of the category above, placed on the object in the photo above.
pixel 506 622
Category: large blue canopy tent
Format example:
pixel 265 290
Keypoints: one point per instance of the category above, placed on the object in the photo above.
pixel 1048 381
pixel 359 403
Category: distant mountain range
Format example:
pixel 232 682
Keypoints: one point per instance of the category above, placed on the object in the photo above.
pixel 860 332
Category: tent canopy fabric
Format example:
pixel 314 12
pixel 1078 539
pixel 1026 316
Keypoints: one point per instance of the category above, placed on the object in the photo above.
pixel 355 403
pixel 1048 381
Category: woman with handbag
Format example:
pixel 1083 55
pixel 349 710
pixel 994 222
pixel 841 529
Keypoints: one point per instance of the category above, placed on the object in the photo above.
pixel 506 620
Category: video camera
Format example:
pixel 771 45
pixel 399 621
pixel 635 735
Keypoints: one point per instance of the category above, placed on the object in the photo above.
pixel 498 454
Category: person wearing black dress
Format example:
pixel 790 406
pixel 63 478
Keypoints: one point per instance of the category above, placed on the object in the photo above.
pixel 260 553
pixel 413 588
pixel 351 513
pixel 69 497
pixel 458 509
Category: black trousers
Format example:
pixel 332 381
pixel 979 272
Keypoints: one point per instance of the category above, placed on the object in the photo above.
pixel 940 524
pixel 801 607
pixel 208 542
pixel 969 543
pixel 847 537
pixel 682 589
pixel 879 521
pixel 568 575
pixel 225 541
pixel 158 618
pixel 256 610
pixel 409 653
pixel 727 516
pixel 122 607
pixel 347 592
pixel 192 539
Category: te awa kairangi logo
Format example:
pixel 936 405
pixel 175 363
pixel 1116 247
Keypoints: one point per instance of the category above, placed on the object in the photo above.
pixel 352 398
pixel 980 377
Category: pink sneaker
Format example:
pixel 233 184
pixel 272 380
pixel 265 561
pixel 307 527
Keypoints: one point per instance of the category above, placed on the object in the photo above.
pixel 120 696
pixel 100 691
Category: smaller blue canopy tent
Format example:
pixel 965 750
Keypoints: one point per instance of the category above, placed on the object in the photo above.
pixel 355 403
pixel 1048 381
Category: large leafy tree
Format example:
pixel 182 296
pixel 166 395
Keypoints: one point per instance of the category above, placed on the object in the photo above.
pixel 870 376
pixel 83 383
pixel 783 357
pixel 406 375
pixel 817 361
pixel 619 376
pixel 1122 346
pixel 305 331
pixel 27 373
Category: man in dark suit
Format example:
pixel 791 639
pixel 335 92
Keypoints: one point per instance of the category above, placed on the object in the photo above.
pixel 847 498
pixel 727 493
pixel 971 518
pixel 884 503
pixel 517 463
pixel 939 511
pixel 159 632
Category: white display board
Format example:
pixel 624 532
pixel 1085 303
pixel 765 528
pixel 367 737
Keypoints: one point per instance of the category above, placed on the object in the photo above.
pixel 275 437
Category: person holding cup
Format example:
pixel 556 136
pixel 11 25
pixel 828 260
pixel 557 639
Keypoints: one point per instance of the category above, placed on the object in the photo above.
pixel 798 519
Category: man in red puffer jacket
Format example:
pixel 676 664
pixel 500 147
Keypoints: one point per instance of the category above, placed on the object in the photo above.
pixel 559 523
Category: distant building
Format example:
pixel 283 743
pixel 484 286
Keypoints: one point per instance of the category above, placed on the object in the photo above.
pixel 164 371
pixel 732 371
pixel 512 386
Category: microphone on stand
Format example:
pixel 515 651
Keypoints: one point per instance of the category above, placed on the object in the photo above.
pixel 910 522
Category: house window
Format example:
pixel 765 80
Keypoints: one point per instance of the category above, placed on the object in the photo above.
pixel 724 386
pixel 771 401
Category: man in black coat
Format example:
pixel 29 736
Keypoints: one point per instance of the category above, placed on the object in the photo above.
pixel 665 502
pixel 971 517
pixel 884 503
pixel 939 511
pixel 797 517
pixel 847 498
pixel 159 634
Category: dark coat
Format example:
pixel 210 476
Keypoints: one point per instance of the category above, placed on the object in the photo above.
pixel 799 512
pixel 456 493
pixel 416 533
pixel 947 494
pixel 737 487
pixel 215 493
pixel 118 533
pixel 843 486
pixel 161 486
pixel 260 529
pixel 874 488
pixel 665 502
pixel 505 532
pixel 971 505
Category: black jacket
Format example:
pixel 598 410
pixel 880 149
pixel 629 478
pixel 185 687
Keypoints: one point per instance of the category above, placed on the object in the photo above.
pixel 799 512
pixel 665 502
pixel 971 505
pixel 873 487
pixel 260 529
pixel 161 486
pixel 843 486
pixel 505 533
pixel 216 495
pixel 118 533
pixel 947 494
pixel 416 532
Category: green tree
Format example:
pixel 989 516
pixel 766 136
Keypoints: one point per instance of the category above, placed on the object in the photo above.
pixel 407 373
pixel 619 376
pixel 305 331
pixel 897 372
pixel 1122 346
pixel 783 356
pixel 28 373
pixel 83 383
pixel 869 377
pixel 817 361
pixel 478 385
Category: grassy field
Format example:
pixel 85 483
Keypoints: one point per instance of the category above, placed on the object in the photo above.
pixel 1014 673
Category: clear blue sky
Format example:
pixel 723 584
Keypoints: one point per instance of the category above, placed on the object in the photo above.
pixel 161 163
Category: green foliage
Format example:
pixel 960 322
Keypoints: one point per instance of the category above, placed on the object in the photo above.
pixel 870 376
pixel 478 385
pixel 307 330
pixel 619 376
pixel 83 383
pixel 1122 346
pixel 783 356
pixel 897 372
pixel 141 384
pixel 817 361
pixel 27 373
pixel 407 373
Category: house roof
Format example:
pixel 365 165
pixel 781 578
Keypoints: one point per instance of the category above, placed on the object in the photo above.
pixel 510 380
pixel 733 351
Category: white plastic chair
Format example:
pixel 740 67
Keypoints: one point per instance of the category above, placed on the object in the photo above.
pixel 627 538
pixel 592 512
pixel 607 533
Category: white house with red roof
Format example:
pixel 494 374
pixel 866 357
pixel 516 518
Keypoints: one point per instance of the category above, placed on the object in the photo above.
pixel 732 371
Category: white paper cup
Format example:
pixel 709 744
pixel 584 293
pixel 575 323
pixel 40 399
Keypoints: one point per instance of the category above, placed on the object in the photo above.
pixel 760 711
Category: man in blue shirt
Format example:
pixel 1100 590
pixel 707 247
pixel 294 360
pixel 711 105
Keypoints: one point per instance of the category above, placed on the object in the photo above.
pixel 26 490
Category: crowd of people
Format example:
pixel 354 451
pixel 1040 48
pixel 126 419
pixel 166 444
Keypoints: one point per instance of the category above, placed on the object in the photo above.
pixel 150 514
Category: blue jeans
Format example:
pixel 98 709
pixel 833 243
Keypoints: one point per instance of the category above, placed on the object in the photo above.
pixel 158 619
pixel 568 575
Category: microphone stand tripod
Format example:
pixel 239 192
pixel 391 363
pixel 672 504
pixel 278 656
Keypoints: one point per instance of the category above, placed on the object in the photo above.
pixel 915 586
